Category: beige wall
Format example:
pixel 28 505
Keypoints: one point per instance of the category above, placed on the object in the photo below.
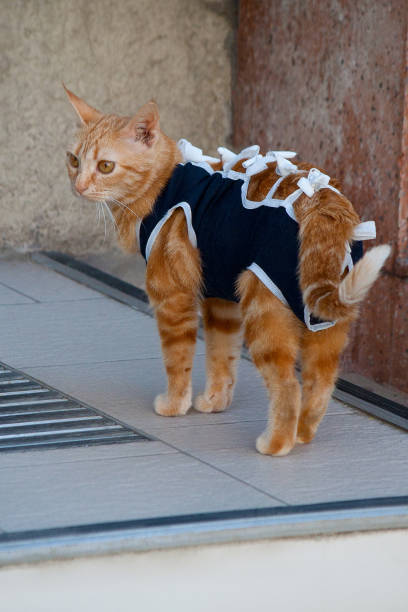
pixel 357 572
pixel 117 55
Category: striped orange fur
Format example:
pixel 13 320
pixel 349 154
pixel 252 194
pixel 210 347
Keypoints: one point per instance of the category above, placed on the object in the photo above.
pixel 144 158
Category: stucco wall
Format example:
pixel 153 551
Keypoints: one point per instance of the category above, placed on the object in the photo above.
pixel 117 55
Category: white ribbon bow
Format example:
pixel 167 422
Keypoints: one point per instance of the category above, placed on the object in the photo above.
pixel 315 180
pixel 254 164
pixel 191 153
pixel 274 155
pixel 283 166
pixel 230 158
pixel 226 154
pixel 259 162
pixel 364 231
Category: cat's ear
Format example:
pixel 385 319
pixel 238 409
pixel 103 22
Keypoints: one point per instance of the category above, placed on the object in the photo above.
pixel 145 125
pixel 86 113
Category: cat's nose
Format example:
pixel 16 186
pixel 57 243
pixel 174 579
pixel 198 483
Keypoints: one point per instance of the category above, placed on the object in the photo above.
pixel 81 186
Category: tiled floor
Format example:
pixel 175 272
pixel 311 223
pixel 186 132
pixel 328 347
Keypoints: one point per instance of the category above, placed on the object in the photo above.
pixel 108 355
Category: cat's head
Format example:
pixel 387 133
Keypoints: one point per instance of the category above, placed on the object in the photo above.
pixel 113 158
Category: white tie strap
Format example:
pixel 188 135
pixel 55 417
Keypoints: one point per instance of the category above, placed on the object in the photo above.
pixel 273 155
pixel 191 153
pixel 365 231
pixel 283 166
pixel 315 180
pixel 258 163
pixel 255 164
pixel 348 260
pixel 226 155
pixel 248 152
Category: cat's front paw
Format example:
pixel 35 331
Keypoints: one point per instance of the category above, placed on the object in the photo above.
pixel 216 402
pixel 166 407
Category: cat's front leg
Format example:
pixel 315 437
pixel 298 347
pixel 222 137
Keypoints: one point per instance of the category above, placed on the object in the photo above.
pixel 177 322
pixel 222 327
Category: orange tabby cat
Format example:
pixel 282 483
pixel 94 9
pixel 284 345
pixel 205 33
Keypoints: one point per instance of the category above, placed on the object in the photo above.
pixel 127 163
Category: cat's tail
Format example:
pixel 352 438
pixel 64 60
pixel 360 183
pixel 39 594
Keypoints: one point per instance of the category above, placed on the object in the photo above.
pixel 355 286
pixel 327 224
pixel 331 301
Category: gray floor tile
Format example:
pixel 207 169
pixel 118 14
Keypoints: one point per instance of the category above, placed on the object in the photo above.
pixel 350 458
pixel 130 268
pixel 218 436
pixel 127 390
pixel 41 283
pixel 82 453
pixel 211 437
pixel 117 489
pixel 78 332
pixel 75 332
pixel 9 296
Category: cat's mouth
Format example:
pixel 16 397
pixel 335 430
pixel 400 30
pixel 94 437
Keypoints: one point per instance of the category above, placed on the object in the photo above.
pixel 91 197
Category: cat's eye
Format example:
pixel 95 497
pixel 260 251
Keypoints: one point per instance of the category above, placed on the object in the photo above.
pixel 73 160
pixel 105 166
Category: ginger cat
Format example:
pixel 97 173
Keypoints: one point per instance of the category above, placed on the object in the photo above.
pixel 274 267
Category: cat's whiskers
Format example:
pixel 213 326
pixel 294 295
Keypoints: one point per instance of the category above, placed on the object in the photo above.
pixel 98 208
pixel 115 201
pixel 103 213
pixel 102 205
pixel 108 210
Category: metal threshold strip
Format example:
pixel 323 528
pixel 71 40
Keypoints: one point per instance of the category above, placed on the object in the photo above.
pixel 196 529
pixel 36 416
pixel 346 391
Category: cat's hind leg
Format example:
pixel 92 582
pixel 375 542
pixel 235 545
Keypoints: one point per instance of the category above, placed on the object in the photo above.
pixel 320 357
pixel 272 333
pixel 222 328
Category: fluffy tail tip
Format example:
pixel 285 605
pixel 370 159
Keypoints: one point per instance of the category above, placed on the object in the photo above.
pixel 377 256
pixel 357 283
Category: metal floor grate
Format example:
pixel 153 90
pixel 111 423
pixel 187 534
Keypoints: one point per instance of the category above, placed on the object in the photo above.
pixel 33 415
